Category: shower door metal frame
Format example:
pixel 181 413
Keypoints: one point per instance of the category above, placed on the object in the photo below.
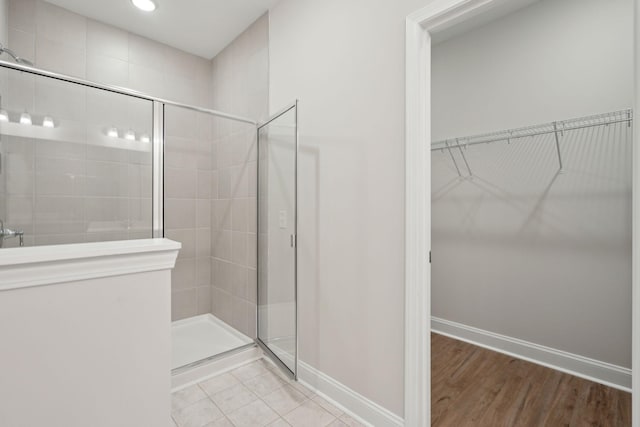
pixel 158 140
pixel 263 346
pixel 158 146
pixel 157 171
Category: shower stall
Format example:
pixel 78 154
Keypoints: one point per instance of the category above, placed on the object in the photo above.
pixel 86 162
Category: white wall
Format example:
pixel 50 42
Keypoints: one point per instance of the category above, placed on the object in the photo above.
pixel 4 23
pixel 552 60
pixel 86 334
pixel 344 60
pixel 517 250
pixel 82 354
pixel 4 36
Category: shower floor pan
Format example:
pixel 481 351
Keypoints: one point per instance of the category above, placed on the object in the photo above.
pixel 202 337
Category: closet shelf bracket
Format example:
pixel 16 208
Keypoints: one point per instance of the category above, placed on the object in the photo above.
pixel 556 133
pixel 453 159
pixel 464 157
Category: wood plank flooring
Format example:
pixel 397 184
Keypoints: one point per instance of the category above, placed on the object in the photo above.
pixel 472 386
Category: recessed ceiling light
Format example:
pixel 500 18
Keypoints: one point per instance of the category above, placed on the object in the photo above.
pixel 146 5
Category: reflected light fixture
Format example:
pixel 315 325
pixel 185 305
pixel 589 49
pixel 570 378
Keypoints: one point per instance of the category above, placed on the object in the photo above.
pixel 130 135
pixel 47 122
pixel 25 118
pixel 112 133
pixel 4 116
pixel 144 5
pixel 145 138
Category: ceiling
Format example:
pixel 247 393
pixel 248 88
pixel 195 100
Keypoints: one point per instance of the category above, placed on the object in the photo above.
pixel 201 27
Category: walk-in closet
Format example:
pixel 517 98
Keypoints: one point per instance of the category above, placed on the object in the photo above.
pixel 532 126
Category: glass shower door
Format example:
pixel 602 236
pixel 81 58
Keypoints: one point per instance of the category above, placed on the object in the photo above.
pixel 277 228
pixel 75 162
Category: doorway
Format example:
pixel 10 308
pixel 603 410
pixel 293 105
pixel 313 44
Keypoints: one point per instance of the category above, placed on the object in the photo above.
pixel 422 26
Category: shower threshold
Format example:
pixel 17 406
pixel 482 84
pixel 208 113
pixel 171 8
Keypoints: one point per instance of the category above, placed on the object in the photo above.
pixel 201 338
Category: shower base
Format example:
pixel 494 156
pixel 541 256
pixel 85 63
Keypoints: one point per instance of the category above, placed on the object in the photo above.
pixel 202 337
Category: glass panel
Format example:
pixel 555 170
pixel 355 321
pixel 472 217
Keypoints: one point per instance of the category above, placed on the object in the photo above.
pixel 276 230
pixel 75 162
pixel 207 208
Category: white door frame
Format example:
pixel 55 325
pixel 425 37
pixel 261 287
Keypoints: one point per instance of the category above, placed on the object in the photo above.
pixel 438 15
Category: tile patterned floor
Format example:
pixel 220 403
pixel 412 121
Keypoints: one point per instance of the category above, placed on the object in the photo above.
pixel 254 395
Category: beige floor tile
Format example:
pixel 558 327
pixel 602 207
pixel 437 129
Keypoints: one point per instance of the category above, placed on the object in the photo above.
pixel 330 407
pixel 198 414
pixel 309 414
pixel 218 383
pixel 302 389
pixel 222 422
pixel 256 414
pixel 279 423
pixel 265 384
pixel 350 421
pixel 250 370
pixel 185 397
pixel 232 398
pixel 337 423
pixel 284 400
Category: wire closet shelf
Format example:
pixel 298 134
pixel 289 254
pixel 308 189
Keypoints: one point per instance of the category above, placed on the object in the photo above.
pixel 510 135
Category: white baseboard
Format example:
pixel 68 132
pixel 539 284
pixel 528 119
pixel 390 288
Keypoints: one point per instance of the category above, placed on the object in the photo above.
pixel 353 403
pixel 590 369
pixel 341 396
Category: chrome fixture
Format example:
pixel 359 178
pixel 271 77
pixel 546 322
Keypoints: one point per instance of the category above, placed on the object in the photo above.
pixel 7 233
pixel 15 57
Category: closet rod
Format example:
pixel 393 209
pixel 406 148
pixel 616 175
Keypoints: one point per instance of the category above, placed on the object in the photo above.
pixel 544 129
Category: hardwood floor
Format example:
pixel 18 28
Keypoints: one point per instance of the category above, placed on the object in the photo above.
pixel 472 386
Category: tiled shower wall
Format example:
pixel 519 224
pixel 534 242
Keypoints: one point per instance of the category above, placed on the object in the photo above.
pixel 62 41
pixel 210 178
pixel 188 184
pixel 240 86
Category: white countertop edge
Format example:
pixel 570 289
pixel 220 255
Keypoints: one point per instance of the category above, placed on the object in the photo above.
pixel 78 251
pixel 58 264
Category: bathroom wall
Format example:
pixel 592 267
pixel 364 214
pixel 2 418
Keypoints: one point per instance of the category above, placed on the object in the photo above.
pixel 4 37
pixel 344 61
pixel 519 250
pixel 240 86
pixel 62 41
pixel 59 40
pixel 4 22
